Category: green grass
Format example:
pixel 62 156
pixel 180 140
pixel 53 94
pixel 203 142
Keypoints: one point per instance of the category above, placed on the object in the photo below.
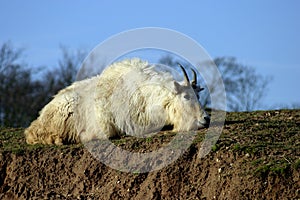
pixel 13 140
pixel 278 167
pixel 297 164
pixel 270 139
pixel 215 148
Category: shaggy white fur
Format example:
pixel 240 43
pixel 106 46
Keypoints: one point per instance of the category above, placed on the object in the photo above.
pixel 129 97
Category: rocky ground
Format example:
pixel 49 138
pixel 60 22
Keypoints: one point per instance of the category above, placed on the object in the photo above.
pixel 256 157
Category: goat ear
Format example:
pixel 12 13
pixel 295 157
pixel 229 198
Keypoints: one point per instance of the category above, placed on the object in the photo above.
pixel 178 87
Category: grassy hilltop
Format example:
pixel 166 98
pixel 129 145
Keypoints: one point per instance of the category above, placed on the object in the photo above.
pixel 256 157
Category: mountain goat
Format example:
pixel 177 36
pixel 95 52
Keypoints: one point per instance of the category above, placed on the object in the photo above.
pixel 128 97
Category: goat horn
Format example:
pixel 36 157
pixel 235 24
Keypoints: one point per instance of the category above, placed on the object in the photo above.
pixel 186 78
pixel 194 81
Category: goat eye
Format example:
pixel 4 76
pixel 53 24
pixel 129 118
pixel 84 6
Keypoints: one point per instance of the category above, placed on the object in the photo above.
pixel 187 97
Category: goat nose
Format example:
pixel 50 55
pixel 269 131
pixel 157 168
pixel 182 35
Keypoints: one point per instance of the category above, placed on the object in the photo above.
pixel 207 120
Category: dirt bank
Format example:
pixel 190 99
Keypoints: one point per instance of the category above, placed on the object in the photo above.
pixel 256 157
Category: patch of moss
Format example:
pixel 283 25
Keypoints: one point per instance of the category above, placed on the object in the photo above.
pixel 297 164
pixel 257 162
pixel 237 147
pixel 279 167
pixel 215 147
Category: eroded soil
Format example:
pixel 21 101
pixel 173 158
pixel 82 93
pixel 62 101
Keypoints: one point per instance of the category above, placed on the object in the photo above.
pixel 256 157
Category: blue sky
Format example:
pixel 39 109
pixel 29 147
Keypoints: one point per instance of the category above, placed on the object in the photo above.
pixel 262 34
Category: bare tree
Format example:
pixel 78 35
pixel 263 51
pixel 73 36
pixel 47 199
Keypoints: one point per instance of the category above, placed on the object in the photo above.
pixel 21 94
pixel 65 73
pixel 16 88
pixel 8 56
pixel 244 87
